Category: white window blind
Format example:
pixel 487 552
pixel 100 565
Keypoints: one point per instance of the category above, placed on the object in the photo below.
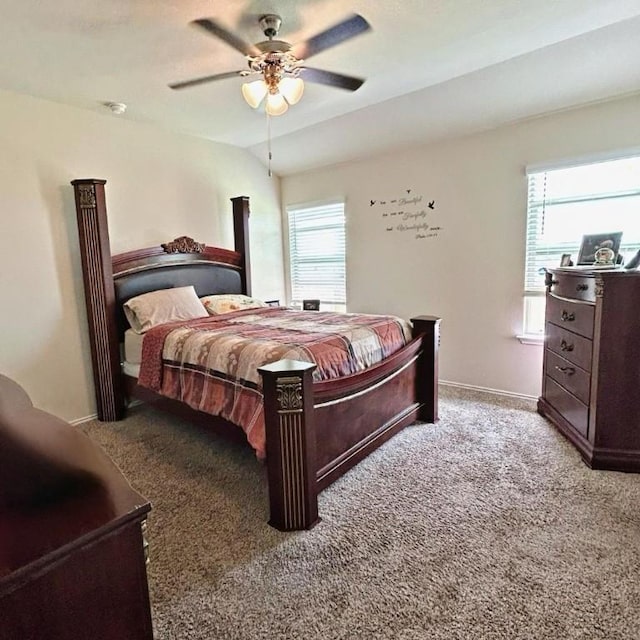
pixel 565 204
pixel 317 253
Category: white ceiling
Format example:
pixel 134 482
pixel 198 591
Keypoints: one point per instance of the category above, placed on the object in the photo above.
pixel 433 67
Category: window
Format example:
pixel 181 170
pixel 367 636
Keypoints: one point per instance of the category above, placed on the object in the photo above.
pixel 317 254
pixel 566 203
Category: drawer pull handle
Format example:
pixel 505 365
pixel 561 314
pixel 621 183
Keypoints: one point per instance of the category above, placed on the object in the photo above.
pixel 565 346
pixel 568 371
pixel 552 282
pixel 582 287
pixel 567 317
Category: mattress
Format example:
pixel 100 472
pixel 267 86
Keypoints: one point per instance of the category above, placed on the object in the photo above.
pixel 133 346
pixel 132 353
pixel 129 369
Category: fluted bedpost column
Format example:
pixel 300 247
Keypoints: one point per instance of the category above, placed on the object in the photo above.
pixel 240 205
pixel 291 445
pixel 99 295
pixel 427 375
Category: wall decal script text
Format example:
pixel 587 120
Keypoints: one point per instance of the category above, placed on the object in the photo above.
pixel 411 215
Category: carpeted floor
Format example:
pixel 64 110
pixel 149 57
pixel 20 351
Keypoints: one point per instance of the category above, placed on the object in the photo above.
pixel 484 526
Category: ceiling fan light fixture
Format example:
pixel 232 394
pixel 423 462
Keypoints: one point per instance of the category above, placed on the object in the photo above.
pixel 292 89
pixel 254 92
pixel 276 104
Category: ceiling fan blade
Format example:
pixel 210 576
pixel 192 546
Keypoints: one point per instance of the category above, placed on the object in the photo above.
pixel 332 79
pixel 204 79
pixel 220 32
pixel 352 26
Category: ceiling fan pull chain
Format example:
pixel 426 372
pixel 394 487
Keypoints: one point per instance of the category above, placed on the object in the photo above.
pixel 269 142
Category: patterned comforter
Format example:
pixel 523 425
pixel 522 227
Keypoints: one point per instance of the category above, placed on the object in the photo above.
pixel 211 363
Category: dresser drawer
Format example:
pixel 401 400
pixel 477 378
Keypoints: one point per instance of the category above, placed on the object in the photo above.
pixel 570 376
pixel 574 316
pixel 569 345
pixel 573 286
pixel 567 405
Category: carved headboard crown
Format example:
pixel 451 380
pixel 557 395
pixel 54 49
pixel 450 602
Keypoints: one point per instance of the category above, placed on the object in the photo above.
pixel 183 244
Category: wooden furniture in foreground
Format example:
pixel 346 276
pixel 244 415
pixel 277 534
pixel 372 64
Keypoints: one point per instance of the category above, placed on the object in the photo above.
pixel 72 562
pixel 315 432
pixel 591 367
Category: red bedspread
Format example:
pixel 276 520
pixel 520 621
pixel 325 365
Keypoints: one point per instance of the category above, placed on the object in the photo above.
pixel 211 363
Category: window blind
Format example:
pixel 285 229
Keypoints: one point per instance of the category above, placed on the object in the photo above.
pixel 564 204
pixel 317 253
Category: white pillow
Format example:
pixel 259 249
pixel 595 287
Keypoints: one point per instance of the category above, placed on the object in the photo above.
pixel 227 302
pixel 166 305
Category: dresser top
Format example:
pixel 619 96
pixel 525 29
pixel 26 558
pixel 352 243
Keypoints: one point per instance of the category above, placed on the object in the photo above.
pixel 589 270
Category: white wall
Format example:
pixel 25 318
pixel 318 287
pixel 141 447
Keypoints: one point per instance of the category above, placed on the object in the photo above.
pixel 159 185
pixel 471 272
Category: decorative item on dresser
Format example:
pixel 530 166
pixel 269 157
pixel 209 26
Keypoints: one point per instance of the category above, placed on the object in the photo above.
pixel 72 550
pixel 354 414
pixel 591 365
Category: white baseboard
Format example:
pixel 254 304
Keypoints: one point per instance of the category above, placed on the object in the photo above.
pixel 499 392
pixel 78 421
pixel 93 416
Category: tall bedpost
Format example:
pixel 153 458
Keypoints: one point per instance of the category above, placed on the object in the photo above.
pixel 241 238
pixel 99 296
pixel 427 375
pixel 291 444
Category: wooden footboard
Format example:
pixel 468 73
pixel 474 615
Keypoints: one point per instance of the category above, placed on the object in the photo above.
pixel 315 433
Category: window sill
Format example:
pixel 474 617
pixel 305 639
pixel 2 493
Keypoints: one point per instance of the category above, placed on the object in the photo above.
pixel 534 338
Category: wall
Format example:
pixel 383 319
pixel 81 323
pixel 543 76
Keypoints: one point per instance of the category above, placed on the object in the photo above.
pixel 470 271
pixel 159 185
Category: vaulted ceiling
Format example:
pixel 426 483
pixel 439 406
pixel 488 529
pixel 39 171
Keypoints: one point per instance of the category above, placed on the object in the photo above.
pixel 433 67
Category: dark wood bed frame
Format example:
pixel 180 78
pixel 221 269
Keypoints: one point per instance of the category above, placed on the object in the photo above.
pixel 315 432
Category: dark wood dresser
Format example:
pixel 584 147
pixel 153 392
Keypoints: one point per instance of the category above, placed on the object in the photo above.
pixel 591 366
pixel 75 569
pixel 72 553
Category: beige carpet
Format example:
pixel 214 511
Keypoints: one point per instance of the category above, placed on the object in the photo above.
pixel 484 526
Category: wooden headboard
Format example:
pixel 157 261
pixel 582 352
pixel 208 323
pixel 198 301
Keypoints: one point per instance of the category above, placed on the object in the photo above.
pixel 209 269
pixel 109 281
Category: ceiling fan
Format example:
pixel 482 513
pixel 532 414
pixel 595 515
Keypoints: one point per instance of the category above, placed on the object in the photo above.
pixel 276 68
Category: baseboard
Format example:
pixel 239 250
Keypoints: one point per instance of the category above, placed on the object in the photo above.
pixel 94 416
pixel 79 421
pixel 498 392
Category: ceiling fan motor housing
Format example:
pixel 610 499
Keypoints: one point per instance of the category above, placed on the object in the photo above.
pixel 270 24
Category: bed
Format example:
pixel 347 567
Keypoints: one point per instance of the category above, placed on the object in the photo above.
pixel 314 431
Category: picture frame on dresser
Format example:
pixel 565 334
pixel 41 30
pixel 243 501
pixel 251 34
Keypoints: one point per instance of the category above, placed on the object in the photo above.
pixel 592 242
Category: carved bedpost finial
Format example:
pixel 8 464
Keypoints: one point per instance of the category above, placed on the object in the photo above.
pixel 183 244
pixel 86 196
